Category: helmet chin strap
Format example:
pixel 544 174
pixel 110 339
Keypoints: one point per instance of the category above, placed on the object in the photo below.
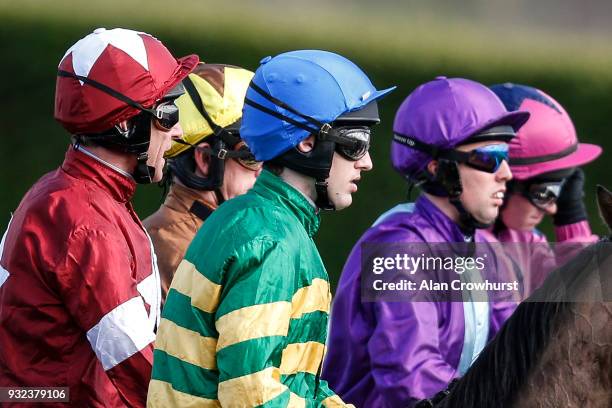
pixel 323 202
pixel 183 167
pixel 316 164
pixel 447 176
pixel 143 173
pixel 219 196
pixel 467 222
pixel 133 140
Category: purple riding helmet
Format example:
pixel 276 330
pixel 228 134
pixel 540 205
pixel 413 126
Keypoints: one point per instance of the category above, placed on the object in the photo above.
pixel 437 117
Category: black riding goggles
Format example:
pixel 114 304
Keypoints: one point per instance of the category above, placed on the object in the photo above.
pixel 540 194
pixel 165 115
pixel 246 159
pixel 352 142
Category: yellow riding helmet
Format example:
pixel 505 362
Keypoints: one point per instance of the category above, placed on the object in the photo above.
pixel 222 89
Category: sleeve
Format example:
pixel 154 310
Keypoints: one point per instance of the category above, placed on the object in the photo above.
pixel 97 287
pixel 4 274
pixel 404 350
pixel 577 232
pixel 253 322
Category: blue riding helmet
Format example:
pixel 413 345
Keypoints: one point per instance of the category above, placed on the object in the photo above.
pixel 319 85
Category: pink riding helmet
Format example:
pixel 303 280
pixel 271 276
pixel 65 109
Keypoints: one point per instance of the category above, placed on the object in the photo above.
pixel 548 141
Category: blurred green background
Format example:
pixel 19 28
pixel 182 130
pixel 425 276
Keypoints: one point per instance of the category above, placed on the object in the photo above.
pixel 559 46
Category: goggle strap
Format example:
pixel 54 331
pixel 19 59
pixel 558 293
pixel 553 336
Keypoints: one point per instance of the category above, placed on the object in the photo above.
pixel 280 116
pixel 229 138
pixel 224 153
pixel 231 154
pixel 197 101
pixel 455 155
pixel 433 151
pixel 413 143
pixel 283 105
pixel 106 89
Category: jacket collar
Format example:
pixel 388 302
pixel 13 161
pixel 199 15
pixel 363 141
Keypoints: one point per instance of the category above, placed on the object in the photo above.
pixel 181 198
pixel 440 221
pixel 275 189
pixel 81 166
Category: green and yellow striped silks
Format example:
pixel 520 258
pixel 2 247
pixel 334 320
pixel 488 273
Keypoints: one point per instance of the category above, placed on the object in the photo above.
pixel 245 320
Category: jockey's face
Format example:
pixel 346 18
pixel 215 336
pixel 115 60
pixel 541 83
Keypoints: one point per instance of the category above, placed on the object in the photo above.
pixel 343 178
pixel 160 142
pixel 483 192
pixel 520 214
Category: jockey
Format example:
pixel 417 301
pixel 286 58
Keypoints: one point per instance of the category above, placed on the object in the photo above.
pixel 79 286
pixel 245 320
pixel 451 139
pixel 209 165
pixel 544 159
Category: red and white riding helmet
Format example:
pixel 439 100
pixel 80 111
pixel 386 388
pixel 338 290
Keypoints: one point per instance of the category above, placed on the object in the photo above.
pixel 131 63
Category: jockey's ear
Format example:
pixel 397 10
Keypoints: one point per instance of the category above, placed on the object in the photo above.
pixel 202 160
pixel 604 202
pixel 432 167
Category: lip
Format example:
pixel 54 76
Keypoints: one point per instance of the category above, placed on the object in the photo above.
pixel 498 201
pixel 354 184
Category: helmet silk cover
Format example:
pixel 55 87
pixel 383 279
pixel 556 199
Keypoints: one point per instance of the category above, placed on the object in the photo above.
pixel 318 84
pixel 548 141
pixel 131 63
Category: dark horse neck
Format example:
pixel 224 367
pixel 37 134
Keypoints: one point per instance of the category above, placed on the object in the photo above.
pixel 538 357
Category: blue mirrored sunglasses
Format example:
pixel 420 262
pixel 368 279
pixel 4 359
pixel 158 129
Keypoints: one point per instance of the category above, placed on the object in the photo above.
pixel 486 158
